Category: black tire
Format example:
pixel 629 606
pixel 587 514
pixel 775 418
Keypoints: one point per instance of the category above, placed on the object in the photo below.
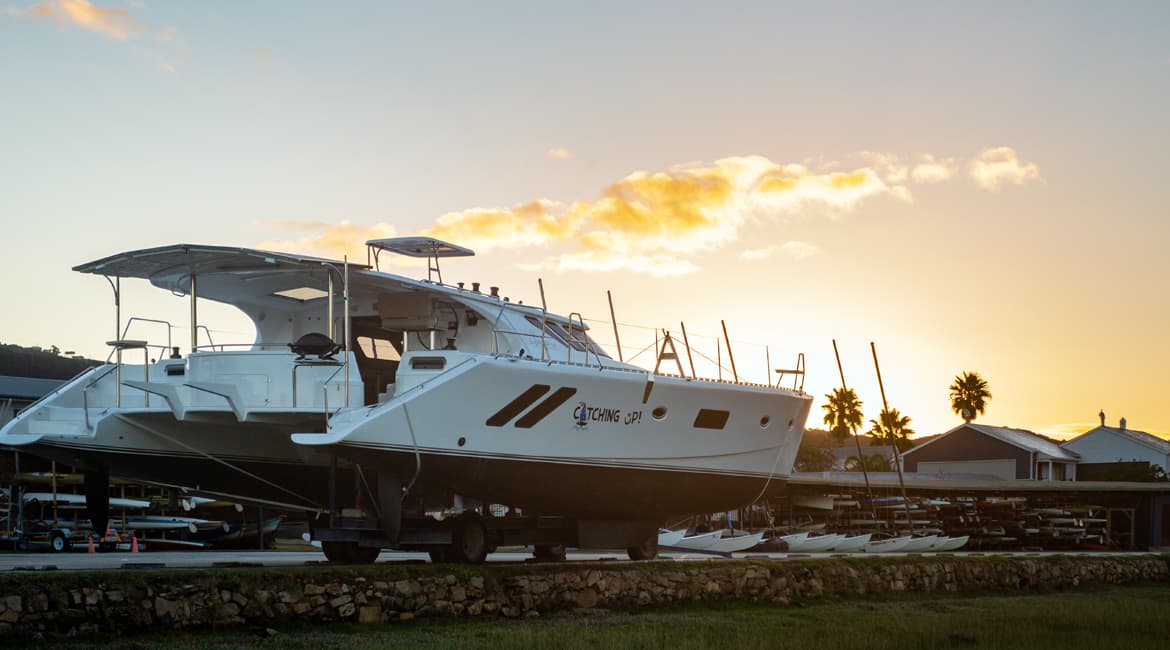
pixel 549 552
pixel 365 554
pixel 58 543
pixel 339 552
pixel 469 542
pixel 647 550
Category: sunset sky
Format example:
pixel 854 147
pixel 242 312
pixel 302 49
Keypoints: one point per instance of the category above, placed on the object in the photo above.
pixel 972 186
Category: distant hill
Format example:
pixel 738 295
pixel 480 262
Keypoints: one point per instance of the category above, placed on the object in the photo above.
pixel 19 361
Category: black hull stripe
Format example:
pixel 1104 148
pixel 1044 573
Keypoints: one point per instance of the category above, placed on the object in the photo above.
pixel 553 460
pixel 504 415
pixel 544 408
pixel 426 451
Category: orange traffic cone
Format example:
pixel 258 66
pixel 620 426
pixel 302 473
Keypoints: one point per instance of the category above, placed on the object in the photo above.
pixel 90 539
pixel 133 543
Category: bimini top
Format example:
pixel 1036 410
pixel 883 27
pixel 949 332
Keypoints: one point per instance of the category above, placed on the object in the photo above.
pixel 420 247
pixel 197 259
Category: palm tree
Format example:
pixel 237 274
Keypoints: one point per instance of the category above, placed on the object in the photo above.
pixel 873 463
pixel 969 395
pixel 893 427
pixel 842 413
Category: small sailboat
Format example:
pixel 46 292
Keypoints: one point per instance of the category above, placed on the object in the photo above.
pixel 891 545
pixel 33 498
pixel 952 543
pixel 701 541
pixel 918 544
pixel 736 541
pixel 853 544
pixel 820 543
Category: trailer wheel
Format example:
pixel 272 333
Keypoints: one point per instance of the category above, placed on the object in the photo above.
pixel 549 552
pixel 365 554
pixel 58 543
pixel 647 550
pixel 339 552
pixel 469 542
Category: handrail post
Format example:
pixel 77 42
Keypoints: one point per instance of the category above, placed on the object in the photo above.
pixel 118 351
pixel 687 343
pixel 329 309
pixel 194 316
pixel 613 318
pixel 345 329
pixel 584 340
pixel 730 356
pixel 543 317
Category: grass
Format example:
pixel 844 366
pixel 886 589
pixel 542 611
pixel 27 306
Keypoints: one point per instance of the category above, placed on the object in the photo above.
pixel 1126 618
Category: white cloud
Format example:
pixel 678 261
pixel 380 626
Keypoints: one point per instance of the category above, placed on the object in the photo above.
pixel 795 249
pixel 933 170
pixel 999 166
pixel 557 153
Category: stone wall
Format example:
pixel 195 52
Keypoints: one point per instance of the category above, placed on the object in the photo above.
pixel 71 603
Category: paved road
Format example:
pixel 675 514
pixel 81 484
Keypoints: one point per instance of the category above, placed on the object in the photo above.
pixel 81 561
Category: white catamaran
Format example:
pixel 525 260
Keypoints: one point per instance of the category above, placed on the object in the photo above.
pixel 366 385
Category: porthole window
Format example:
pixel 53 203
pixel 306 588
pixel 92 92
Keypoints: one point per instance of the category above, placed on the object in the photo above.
pixel 765 421
pixel 462 441
pixel 658 413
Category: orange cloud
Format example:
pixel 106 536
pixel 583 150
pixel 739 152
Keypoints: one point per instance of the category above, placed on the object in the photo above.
pixel 661 222
pixel 116 22
pixel 999 166
pixel 334 240
pixel 557 153
pixel 656 222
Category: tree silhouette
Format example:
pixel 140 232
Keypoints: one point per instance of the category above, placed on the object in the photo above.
pixel 894 428
pixel 969 395
pixel 814 455
pixel 873 463
pixel 842 413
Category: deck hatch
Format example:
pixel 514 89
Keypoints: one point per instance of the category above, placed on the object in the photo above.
pixel 711 419
pixel 428 363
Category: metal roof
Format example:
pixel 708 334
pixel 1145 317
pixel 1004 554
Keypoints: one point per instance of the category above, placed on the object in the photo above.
pixel 1141 437
pixel 199 259
pixel 29 388
pixel 1022 438
pixel 420 247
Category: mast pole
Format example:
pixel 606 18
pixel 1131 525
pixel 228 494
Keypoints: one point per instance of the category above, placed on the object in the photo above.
pixel 890 431
pixel 856 440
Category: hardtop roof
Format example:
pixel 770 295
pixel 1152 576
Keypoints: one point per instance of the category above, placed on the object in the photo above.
pixel 198 258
